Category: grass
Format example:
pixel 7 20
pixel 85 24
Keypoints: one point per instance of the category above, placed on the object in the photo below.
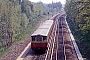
pixel 29 30
pixel 21 37
pixel 2 52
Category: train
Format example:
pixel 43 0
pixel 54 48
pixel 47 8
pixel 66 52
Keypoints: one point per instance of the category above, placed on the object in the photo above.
pixel 40 37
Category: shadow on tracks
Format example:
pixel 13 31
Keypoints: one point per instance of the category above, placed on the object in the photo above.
pixel 37 53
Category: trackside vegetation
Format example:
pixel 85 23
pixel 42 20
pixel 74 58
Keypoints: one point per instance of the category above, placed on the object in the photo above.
pixel 78 17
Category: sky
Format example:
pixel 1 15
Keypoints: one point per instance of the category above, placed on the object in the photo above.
pixel 48 1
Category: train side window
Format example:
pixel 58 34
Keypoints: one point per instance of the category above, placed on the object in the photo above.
pixel 33 38
pixel 44 38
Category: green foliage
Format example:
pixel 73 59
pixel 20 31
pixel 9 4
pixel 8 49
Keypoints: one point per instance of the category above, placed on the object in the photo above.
pixel 78 12
pixel 54 7
pixel 21 37
pixel 2 52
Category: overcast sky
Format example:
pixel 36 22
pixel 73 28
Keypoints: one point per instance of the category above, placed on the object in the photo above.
pixel 49 1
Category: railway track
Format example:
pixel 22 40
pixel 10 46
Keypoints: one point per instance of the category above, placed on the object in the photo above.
pixel 69 52
pixel 64 46
pixel 66 49
pixel 69 48
pixel 60 46
pixel 60 43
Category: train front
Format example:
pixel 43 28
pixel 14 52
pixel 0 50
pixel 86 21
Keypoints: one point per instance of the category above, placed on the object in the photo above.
pixel 39 43
pixel 40 36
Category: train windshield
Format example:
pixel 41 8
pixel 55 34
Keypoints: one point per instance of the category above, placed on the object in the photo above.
pixel 39 38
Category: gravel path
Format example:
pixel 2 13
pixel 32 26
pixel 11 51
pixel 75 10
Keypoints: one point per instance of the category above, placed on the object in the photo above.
pixel 16 49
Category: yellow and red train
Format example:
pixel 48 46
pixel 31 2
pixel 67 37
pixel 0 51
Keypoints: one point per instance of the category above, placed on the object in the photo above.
pixel 40 37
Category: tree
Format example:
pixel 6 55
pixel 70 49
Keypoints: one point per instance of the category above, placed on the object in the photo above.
pixel 78 11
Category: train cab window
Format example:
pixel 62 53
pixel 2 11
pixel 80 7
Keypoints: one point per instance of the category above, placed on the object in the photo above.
pixel 33 38
pixel 44 39
pixel 39 38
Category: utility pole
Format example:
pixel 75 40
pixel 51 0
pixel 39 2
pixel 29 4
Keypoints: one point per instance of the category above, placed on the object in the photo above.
pixel 48 15
pixel 48 11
